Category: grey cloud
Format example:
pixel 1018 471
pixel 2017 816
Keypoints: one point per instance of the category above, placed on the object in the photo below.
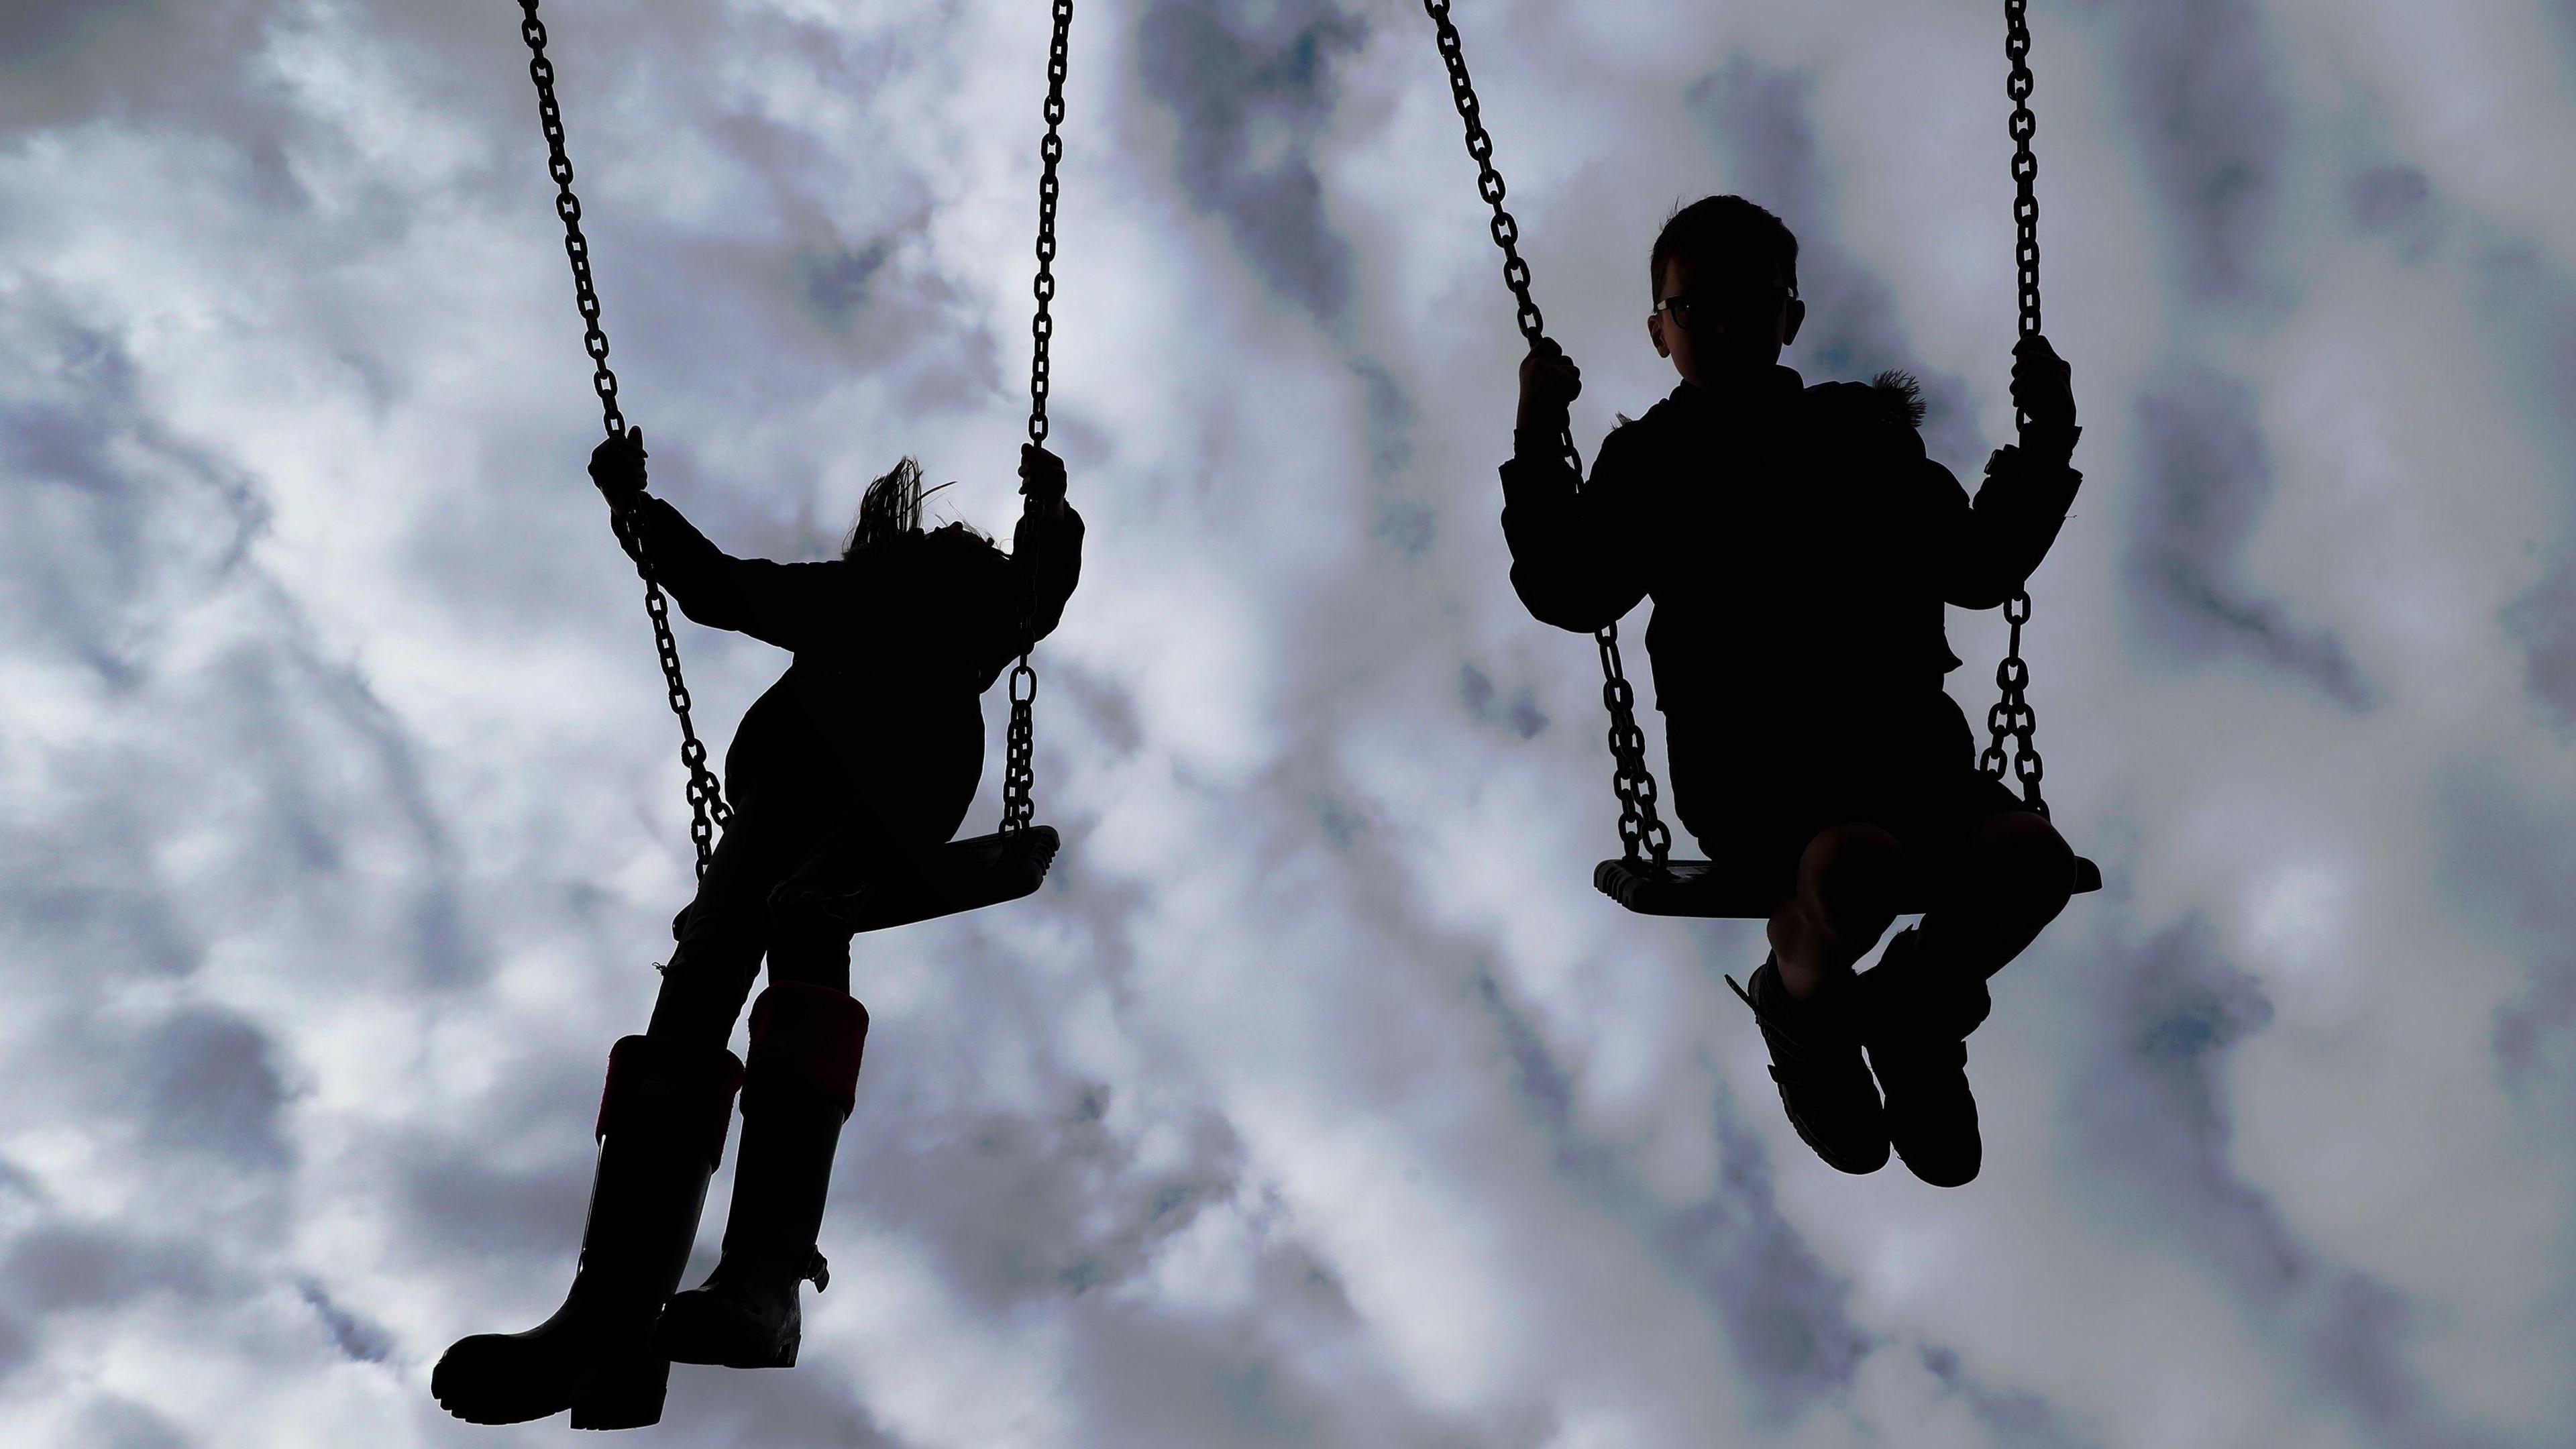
pixel 65 63
pixel 530 1219
pixel 2394 199
pixel 1518 713
pixel 2156 1109
pixel 1250 88
pixel 837 283
pixel 2543 622
pixel 112 1422
pixel 788 1411
pixel 1023 1207
pixel 1785 1312
pixel 1172 1379
pixel 358 1339
pixel 2012 1420
pixel 2213 124
pixel 2512 865
pixel 1763 117
pixel 58 1267
pixel 2204 478
pixel 2535 1036
pixel 211 1085
pixel 1407 518
pixel 2156 1119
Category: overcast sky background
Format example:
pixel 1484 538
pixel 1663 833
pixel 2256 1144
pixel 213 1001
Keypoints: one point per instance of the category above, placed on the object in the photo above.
pixel 1317 1100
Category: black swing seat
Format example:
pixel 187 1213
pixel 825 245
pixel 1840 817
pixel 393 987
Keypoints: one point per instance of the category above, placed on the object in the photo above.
pixel 963 875
pixel 1697 888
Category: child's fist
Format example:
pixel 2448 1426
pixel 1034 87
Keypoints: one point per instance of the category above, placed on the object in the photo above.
pixel 2044 390
pixel 1550 382
pixel 617 466
pixel 1042 480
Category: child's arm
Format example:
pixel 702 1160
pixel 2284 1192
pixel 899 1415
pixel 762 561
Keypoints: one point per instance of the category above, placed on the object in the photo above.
pixel 775 603
pixel 1567 565
pixel 1046 548
pixel 1990 547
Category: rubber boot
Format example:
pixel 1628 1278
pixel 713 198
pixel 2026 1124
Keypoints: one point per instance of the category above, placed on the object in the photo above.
pixel 806 1042
pixel 1815 1059
pixel 662 1120
pixel 1916 1013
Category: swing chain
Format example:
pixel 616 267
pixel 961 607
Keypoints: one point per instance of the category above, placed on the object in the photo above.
pixel 2012 715
pixel 1639 824
pixel 707 807
pixel 1019 771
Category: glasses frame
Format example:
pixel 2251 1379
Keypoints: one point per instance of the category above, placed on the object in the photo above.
pixel 1678 308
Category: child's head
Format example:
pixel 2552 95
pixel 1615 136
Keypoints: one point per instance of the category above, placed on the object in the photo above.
pixel 1725 278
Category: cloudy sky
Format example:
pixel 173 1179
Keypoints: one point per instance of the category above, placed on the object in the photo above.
pixel 1317 1100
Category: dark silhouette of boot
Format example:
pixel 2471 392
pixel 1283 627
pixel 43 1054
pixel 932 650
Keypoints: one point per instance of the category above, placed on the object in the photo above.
pixel 806 1042
pixel 1815 1058
pixel 662 1119
pixel 1916 1013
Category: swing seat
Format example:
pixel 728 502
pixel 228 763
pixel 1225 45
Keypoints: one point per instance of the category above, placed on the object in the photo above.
pixel 1697 888
pixel 963 875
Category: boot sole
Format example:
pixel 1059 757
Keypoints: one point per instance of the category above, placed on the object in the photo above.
pixel 626 1394
pixel 720 1340
pixel 517 1404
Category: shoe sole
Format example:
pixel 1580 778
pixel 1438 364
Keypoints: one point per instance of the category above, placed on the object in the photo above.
pixel 626 1394
pixel 720 1341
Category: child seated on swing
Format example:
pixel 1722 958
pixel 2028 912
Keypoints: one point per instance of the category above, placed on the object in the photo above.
pixel 1799 547
pixel 859 761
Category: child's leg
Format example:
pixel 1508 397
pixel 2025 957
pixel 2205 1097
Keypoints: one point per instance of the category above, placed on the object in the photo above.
pixel 807 1036
pixel 722 935
pixel 2016 873
pixel 809 934
pixel 1846 897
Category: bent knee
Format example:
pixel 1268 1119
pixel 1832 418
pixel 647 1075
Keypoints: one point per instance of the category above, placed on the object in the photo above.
pixel 797 909
pixel 1849 877
pixel 2024 856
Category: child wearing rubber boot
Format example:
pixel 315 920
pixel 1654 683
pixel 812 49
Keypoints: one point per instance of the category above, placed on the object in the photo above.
pixel 1799 547
pixel 862 758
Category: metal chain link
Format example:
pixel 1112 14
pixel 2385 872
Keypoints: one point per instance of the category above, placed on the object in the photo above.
pixel 707 807
pixel 2012 716
pixel 1019 771
pixel 1640 828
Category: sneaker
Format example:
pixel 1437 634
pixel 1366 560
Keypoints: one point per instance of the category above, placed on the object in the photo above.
pixel 1816 1060
pixel 1915 1017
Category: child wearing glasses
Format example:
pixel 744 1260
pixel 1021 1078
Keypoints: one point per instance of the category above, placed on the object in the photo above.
pixel 1799 546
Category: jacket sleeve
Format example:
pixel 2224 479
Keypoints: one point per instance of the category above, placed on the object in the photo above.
pixel 1989 548
pixel 1046 562
pixel 1573 548
pixel 782 604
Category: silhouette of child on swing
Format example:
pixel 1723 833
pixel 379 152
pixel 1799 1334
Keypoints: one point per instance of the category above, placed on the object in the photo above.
pixel 862 758
pixel 1799 547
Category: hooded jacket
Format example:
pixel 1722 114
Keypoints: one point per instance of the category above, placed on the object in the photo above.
pixel 894 645
pixel 1797 542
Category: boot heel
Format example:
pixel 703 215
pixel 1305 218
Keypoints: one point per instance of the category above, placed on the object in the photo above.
pixel 625 1392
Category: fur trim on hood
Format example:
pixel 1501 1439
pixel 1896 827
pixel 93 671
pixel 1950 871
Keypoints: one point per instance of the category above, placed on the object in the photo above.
pixel 1902 395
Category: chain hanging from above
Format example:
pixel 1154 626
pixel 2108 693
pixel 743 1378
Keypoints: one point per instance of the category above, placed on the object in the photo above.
pixel 2012 717
pixel 1019 771
pixel 1641 829
pixel 707 808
